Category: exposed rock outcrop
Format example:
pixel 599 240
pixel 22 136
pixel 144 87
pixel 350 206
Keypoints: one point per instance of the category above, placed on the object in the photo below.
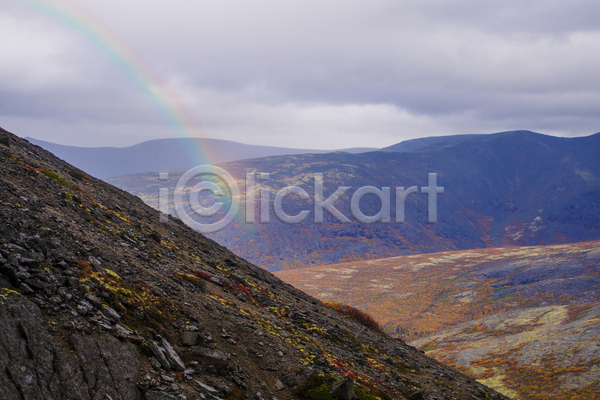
pixel 36 365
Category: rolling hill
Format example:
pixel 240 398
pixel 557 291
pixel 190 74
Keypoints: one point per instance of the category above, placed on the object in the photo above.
pixel 163 154
pixel 505 189
pixel 524 320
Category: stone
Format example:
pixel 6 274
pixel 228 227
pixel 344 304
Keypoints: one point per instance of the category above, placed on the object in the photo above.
pixel 343 389
pixel 93 300
pixel 194 328
pixel 160 355
pixel 22 274
pixel 172 356
pixel 84 307
pixel 213 356
pixel 189 338
pixel 69 325
pixel 36 284
pixel 166 355
pixel 206 338
pixel 154 363
pixel 205 387
pixel 121 331
pixel 279 385
pixel 25 289
pixel 420 395
pixel 74 282
pixel 105 326
pixel 136 338
pixel 110 314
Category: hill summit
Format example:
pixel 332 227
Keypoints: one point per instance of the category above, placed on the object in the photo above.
pixel 100 299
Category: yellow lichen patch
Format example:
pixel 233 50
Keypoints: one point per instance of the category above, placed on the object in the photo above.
pixel 191 256
pixel 377 365
pixel 263 291
pixel 221 268
pixel 112 274
pixel 219 299
pixel 169 244
pixel 159 310
pixel 186 277
pixel 7 292
pixel 98 225
pixel 280 311
pixel 244 312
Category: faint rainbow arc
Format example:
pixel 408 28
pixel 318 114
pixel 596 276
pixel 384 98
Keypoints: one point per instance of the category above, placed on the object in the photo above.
pixel 142 74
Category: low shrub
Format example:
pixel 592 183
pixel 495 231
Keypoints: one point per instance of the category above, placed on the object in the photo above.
pixel 359 316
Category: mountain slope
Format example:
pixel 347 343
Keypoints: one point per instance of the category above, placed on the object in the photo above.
pixel 163 154
pixel 510 317
pixel 511 188
pixel 100 299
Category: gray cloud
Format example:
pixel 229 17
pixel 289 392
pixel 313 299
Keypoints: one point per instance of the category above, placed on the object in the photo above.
pixel 305 74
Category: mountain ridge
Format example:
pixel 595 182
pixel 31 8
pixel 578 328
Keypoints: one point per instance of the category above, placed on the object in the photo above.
pixel 514 188
pixel 164 154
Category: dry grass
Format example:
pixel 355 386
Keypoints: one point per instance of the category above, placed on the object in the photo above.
pixel 359 316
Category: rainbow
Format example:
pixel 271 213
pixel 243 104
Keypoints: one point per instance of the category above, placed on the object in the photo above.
pixel 172 109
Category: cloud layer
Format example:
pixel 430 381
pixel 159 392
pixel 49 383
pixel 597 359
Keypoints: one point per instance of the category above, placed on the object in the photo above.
pixel 301 73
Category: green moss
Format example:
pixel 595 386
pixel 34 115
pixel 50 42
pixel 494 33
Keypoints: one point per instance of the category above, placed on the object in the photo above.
pixel 364 394
pixel 316 387
pixel 55 176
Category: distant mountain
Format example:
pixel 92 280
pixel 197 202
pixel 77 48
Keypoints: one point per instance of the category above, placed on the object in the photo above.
pixel 523 320
pixel 164 154
pixel 510 188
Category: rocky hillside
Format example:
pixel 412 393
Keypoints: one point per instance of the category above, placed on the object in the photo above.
pixel 100 299
pixel 512 188
pixel 523 320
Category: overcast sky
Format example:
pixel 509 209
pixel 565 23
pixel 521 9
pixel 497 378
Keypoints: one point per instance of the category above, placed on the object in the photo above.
pixel 310 74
